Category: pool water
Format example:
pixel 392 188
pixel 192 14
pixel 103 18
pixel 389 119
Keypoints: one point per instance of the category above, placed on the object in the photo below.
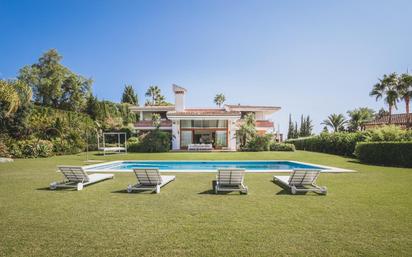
pixel 203 165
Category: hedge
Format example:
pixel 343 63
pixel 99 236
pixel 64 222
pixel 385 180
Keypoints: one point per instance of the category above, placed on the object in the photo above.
pixel 282 147
pixel 385 153
pixel 341 143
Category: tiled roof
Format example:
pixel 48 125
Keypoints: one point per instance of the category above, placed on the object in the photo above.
pixel 252 106
pixel 396 119
pixel 239 107
pixel 203 112
pixel 153 108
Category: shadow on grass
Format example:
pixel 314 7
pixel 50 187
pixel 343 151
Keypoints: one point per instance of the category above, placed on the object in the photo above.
pixel 212 192
pixel 44 189
pixel 124 191
pixel 286 190
pixel 57 189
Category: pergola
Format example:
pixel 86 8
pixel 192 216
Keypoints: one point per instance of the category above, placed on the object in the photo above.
pixel 117 147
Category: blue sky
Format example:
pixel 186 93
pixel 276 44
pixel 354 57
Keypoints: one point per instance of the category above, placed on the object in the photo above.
pixel 309 57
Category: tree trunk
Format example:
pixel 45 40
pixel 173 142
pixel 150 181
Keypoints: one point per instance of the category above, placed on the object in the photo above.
pixel 390 114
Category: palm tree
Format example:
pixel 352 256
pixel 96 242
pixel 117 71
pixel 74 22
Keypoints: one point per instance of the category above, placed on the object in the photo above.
pixel 335 121
pixel 358 117
pixel 153 92
pixel 160 100
pixel 219 99
pixel 13 95
pixel 405 91
pixel 387 88
pixel 247 130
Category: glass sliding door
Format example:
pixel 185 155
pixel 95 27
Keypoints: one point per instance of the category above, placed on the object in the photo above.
pixel 221 138
pixel 186 138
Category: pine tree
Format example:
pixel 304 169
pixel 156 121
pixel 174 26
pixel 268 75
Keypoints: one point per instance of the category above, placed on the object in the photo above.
pixel 309 126
pixel 129 96
pixel 296 131
pixel 302 127
pixel 291 128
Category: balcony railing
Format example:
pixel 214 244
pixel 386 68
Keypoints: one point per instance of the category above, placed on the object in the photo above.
pixel 148 124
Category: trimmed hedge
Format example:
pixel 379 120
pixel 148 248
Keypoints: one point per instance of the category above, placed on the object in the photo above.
pixel 341 143
pixel 282 147
pixel 385 153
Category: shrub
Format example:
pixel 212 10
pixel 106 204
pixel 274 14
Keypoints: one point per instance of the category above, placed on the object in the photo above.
pixel 154 141
pixel 385 153
pixel 282 147
pixel 44 148
pixel 62 146
pixel 388 133
pixel 32 148
pixel 4 150
pixel 258 143
pixel 133 144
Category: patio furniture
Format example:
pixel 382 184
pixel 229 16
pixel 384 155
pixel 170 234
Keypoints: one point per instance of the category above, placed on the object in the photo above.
pixel 200 147
pixel 117 147
pixel 76 177
pixel 302 180
pixel 149 180
pixel 228 180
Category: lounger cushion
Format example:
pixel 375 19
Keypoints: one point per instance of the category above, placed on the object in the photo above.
pixel 93 178
pixel 283 179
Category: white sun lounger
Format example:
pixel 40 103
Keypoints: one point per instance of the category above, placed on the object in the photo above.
pixel 302 180
pixel 230 180
pixel 149 180
pixel 76 177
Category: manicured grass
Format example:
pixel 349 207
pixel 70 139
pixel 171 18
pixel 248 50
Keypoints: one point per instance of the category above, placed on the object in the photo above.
pixel 368 213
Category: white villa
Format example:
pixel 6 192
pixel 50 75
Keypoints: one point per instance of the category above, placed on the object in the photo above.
pixel 213 126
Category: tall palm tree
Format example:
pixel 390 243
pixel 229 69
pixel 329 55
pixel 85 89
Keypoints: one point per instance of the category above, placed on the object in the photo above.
pixel 153 92
pixel 387 88
pixel 335 121
pixel 219 99
pixel 405 91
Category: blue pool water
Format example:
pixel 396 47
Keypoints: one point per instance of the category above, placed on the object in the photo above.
pixel 203 165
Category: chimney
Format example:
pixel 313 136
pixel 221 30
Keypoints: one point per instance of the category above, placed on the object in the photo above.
pixel 180 93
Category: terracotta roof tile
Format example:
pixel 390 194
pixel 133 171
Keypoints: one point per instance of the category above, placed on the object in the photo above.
pixel 203 112
pixel 396 119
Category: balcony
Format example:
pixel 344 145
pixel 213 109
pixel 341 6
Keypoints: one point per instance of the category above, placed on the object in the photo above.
pixel 148 125
pixel 264 124
pixel 259 124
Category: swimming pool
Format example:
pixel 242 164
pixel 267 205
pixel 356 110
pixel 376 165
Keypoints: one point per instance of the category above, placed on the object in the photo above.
pixel 208 166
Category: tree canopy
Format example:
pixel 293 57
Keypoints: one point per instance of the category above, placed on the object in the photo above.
pixel 219 99
pixel 155 97
pixel 55 85
pixel 358 117
pixel 129 96
pixel 336 122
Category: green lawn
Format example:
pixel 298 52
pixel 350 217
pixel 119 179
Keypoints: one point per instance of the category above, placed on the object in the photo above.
pixel 368 213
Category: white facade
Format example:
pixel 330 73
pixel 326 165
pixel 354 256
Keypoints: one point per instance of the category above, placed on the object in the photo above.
pixel 217 126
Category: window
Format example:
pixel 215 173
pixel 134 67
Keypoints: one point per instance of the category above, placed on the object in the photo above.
pixel 203 123
pixel 185 123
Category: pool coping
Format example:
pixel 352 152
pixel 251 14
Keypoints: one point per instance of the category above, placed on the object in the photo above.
pixel 329 169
